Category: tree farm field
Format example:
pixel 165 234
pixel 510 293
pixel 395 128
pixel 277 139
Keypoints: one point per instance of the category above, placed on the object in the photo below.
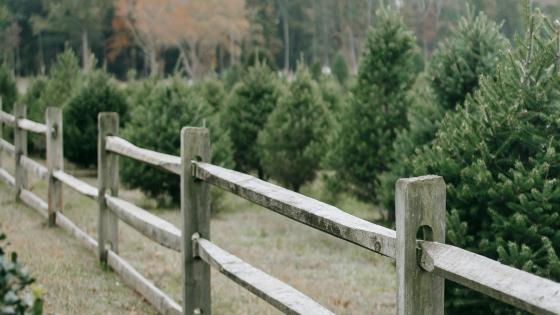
pixel 345 278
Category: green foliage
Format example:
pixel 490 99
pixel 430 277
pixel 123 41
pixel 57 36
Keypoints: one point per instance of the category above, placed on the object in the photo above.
pixel 377 109
pixel 213 93
pixel 8 89
pixel 316 70
pixel 250 103
pixel 160 111
pixel 16 298
pixel 293 140
pixel 499 156
pixel 470 52
pixel 35 110
pixel 231 76
pixel 255 57
pixel 333 94
pixel 33 98
pixel 473 50
pixel 97 94
pixel 340 68
pixel 65 78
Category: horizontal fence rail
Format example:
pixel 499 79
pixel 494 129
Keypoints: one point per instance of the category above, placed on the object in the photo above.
pixel 76 184
pixel 7 178
pixel 151 226
pixel 163 161
pixel 420 271
pixel 32 126
pixel 7 147
pixel 34 202
pixel 39 170
pixel 7 119
pixel 300 208
pixel 278 294
pixel 507 284
pixel 163 303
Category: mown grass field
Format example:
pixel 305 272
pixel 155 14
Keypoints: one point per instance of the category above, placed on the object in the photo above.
pixel 344 278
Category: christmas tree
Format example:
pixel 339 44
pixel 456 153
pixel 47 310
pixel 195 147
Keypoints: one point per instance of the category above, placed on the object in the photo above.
pixel 377 108
pixel 453 74
pixel 252 100
pixel 498 154
pixel 293 140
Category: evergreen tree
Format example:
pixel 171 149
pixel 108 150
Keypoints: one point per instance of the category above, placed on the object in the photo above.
pixel 340 69
pixel 250 103
pixel 213 92
pixel 293 140
pixel 377 109
pixel 98 94
pixel 498 154
pixel 8 88
pixel 160 111
pixel 473 50
pixel 64 80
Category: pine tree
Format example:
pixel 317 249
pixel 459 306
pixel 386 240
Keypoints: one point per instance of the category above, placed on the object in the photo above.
pixel 498 154
pixel 293 140
pixel 63 82
pixel 453 74
pixel 8 88
pixel 377 109
pixel 340 69
pixel 159 112
pixel 250 103
pixel 98 93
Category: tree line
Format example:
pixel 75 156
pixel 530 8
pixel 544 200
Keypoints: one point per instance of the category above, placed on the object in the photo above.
pixel 198 37
pixel 483 113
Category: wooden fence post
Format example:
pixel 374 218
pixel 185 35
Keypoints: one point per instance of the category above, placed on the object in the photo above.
pixel 55 161
pixel 108 179
pixel 195 209
pixel 420 209
pixel 20 144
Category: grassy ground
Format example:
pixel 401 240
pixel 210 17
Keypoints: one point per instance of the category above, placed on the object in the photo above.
pixel 344 278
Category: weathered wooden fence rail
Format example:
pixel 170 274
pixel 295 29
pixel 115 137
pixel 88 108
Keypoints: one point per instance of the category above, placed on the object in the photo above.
pixel 422 265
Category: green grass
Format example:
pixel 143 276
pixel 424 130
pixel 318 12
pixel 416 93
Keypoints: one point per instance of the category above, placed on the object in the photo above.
pixel 341 276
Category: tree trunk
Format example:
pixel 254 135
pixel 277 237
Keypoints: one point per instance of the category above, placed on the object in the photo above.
pixel 85 51
pixel 154 67
pixel 41 56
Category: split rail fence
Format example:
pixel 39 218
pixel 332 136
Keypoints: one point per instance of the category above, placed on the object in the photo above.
pixel 422 264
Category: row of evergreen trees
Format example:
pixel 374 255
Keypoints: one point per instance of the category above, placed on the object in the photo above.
pixel 484 115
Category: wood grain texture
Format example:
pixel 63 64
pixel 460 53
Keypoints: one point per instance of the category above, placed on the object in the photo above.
pixel 34 201
pixel 163 303
pixel 163 161
pixel 278 294
pixel 195 210
pixel 32 126
pixel 7 178
pixel 151 226
pixel 55 161
pixel 7 148
pixel 300 208
pixel 20 145
pixel 420 207
pixel 33 167
pixel 76 184
pixel 107 183
pixel 507 284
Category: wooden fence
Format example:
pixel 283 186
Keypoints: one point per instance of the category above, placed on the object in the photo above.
pixel 422 265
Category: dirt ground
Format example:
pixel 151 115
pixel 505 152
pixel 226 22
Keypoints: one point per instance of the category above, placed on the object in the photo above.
pixel 344 278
